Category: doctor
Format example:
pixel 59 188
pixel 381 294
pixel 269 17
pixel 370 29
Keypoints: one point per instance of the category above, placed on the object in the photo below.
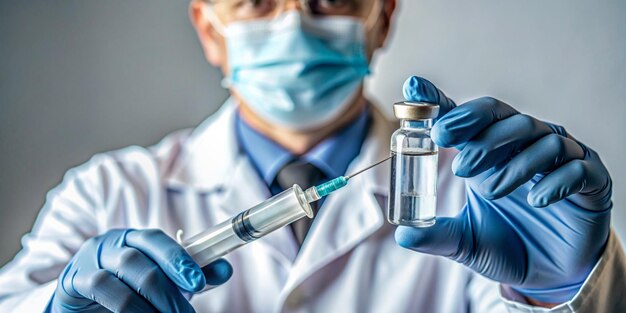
pixel 524 207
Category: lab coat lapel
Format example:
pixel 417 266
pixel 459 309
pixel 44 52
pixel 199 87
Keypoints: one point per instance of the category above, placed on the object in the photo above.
pixel 350 215
pixel 212 162
pixel 209 155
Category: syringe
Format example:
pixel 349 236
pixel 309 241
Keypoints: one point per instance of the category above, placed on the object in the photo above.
pixel 260 220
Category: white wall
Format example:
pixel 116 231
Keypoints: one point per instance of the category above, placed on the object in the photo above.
pixel 560 60
pixel 82 76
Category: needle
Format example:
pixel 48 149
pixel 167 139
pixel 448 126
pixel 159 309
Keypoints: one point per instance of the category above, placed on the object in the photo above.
pixel 367 168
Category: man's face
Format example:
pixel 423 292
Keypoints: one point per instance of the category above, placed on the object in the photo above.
pixel 211 17
pixel 375 16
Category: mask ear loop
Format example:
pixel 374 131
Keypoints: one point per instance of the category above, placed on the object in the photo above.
pixel 218 25
pixel 373 15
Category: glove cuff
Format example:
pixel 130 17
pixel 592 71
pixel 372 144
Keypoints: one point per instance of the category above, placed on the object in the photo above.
pixel 552 295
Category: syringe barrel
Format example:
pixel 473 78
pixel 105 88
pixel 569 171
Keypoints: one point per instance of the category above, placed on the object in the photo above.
pixel 249 225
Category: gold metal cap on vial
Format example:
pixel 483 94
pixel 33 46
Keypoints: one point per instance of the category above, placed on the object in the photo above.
pixel 410 110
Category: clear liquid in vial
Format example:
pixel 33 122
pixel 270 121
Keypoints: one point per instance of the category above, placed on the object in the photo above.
pixel 413 191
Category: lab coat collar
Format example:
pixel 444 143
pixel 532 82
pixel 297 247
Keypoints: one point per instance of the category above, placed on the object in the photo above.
pixel 210 154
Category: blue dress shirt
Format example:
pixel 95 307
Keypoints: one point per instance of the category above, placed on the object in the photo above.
pixel 332 155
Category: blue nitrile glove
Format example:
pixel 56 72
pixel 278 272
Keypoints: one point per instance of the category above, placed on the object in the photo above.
pixel 538 201
pixel 133 271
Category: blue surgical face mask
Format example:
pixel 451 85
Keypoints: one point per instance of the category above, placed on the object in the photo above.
pixel 296 71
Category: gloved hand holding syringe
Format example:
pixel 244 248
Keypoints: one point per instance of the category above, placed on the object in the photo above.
pixel 260 220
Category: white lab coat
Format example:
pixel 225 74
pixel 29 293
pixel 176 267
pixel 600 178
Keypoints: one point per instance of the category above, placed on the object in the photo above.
pixel 192 180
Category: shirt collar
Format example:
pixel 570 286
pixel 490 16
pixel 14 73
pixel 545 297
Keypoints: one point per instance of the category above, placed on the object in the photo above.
pixel 332 156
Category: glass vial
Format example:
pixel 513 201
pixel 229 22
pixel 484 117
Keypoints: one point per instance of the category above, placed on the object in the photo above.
pixel 413 184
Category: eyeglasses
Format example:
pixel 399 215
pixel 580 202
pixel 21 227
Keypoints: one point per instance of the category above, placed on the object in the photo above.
pixel 228 11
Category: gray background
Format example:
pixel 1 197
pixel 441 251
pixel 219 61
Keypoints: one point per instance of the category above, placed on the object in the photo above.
pixel 79 77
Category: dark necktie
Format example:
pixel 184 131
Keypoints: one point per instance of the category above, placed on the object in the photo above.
pixel 305 175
